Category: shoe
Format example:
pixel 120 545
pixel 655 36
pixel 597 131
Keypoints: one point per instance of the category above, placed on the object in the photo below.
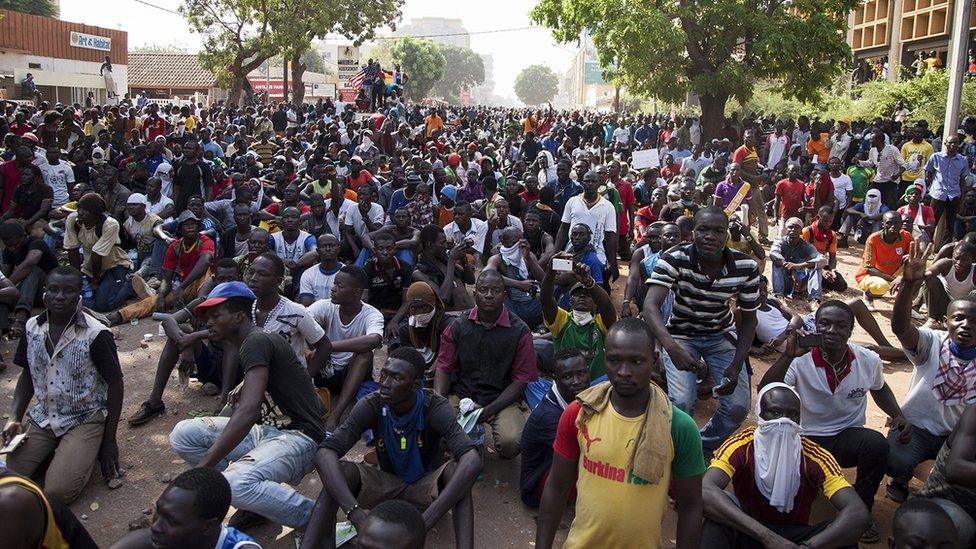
pixel 871 534
pixel 145 413
pixel 140 287
pixel 246 520
pixel 897 491
pixel 154 283
pixel 209 389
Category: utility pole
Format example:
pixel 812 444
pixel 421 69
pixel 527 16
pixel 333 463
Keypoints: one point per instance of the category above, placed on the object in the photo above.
pixel 958 58
pixel 284 78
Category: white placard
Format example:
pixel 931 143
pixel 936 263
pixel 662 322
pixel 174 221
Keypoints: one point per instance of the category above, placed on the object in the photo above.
pixel 90 41
pixel 645 159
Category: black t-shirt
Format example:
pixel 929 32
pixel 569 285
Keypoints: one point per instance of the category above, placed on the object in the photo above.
pixel 536 445
pixel 673 210
pixel 192 179
pixel 29 198
pixel 289 384
pixel 386 293
pixel 47 263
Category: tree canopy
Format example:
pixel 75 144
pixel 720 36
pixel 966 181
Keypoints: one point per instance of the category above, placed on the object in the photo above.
pixel 423 62
pixel 717 49
pixel 466 70
pixel 47 8
pixel 536 84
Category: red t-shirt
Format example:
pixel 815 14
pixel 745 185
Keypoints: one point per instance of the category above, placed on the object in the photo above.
pixel 928 214
pixel 354 183
pixel 154 128
pixel 181 260
pixel 220 186
pixel 627 199
pixel 826 191
pixel 19 129
pixel 275 206
pixel 791 194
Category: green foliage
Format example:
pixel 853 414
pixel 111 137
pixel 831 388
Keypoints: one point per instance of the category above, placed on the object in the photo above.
pixel 423 62
pixel 46 8
pixel 536 84
pixel 717 49
pixel 925 96
pixel 463 69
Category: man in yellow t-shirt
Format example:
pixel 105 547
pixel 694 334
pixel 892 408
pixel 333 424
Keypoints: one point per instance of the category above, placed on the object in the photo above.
pixel 610 432
pixel 916 153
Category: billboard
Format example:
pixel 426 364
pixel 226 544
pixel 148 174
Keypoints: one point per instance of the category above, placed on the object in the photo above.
pixel 592 73
pixel 347 62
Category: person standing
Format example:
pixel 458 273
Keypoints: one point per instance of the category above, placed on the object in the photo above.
pixel 945 178
pixel 747 158
pixel 700 337
pixel 71 367
pixel 888 163
pixel 623 444
pixel 596 212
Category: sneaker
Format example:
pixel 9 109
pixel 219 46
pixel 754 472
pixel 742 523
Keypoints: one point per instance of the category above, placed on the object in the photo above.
pixel 145 413
pixel 140 287
pixel 871 534
pixel 154 283
pixel 897 491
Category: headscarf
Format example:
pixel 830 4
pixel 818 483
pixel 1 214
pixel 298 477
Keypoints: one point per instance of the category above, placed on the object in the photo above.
pixel 548 175
pixel 422 291
pixel 512 257
pixel 778 451
pixel 872 202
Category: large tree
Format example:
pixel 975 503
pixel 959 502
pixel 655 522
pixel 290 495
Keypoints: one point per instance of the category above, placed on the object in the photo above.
pixel 423 62
pixel 238 36
pixel 47 8
pixel 717 49
pixel 464 69
pixel 307 20
pixel 536 84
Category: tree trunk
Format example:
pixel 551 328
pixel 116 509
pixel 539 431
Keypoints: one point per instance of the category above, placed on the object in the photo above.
pixel 297 84
pixel 713 115
pixel 616 99
pixel 236 88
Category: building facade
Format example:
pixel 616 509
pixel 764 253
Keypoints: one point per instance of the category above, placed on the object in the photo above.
pixel 64 58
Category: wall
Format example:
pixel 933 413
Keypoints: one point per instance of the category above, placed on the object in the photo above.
pixel 47 37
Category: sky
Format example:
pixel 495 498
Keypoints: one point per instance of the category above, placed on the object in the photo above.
pixel 512 51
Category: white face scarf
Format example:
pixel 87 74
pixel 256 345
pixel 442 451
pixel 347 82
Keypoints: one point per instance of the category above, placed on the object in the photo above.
pixel 778 451
pixel 872 203
pixel 512 256
pixel 422 320
pixel 582 318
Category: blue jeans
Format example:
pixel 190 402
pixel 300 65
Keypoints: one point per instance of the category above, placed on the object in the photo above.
pixel 683 390
pixel 256 468
pixel 904 458
pixel 783 282
pixel 113 289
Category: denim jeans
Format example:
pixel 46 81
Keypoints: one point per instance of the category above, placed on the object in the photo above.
pixel 904 458
pixel 256 468
pixel 113 289
pixel 152 264
pixel 718 351
pixel 783 282
pixel 29 287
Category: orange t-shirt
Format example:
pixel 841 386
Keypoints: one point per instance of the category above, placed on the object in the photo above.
pixel 824 247
pixel 882 256
pixel 819 148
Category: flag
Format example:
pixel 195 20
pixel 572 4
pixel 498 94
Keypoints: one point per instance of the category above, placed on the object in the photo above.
pixel 356 81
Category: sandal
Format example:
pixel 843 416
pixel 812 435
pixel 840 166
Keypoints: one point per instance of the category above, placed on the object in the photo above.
pixel 145 413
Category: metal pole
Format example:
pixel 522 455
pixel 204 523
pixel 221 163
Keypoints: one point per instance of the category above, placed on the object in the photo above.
pixel 284 79
pixel 958 58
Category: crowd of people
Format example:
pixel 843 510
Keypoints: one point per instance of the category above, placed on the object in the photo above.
pixel 466 284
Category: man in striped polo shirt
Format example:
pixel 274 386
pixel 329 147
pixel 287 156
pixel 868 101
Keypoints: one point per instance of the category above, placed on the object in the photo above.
pixel 700 336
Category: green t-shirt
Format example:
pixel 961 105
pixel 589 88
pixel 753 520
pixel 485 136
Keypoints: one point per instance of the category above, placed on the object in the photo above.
pixel 861 179
pixel 613 195
pixel 686 437
pixel 588 339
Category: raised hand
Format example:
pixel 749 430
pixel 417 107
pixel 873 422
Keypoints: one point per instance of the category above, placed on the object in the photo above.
pixel 915 262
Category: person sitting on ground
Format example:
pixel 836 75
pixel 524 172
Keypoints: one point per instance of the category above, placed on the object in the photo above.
pixel 951 481
pixel 947 280
pixel 833 380
pixel 407 239
pixel 25 262
pixel 317 280
pixel 233 241
pixel 584 325
pixel 917 218
pixel 140 227
pixel 622 444
pixel 820 234
pixel 797 265
pixel 413 426
pixel 447 272
pixel 393 524
pixel 867 217
pixel 943 382
pixel 923 523
pixel 256 456
pixel 635 289
pixel 571 375
pixel 424 323
pixel 92 240
pixel 31 519
pixel 365 218
pixel 745 239
pixel 215 364
pixel 388 281
pixel 355 330
pixel 190 513
pixel 881 264
pixel 186 266
pixel 776 474
pixel 486 355
pixel 71 368
pixel 465 227
pixel 522 274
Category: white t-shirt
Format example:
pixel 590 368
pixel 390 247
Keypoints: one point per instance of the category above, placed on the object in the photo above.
pixel 318 283
pixel 777 148
pixel 369 321
pixel 58 176
pixel 842 184
pixel 478 232
pixel 770 323
pixel 158 207
pixel 621 135
pixel 295 323
pixel 292 251
pixel 600 218
pixel 332 220
pixel 920 406
pixel 354 218
pixel 826 413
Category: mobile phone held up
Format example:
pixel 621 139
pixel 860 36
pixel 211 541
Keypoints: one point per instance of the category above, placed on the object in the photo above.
pixel 562 265
pixel 810 340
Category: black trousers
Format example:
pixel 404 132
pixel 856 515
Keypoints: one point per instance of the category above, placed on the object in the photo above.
pixel 718 536
pixel 865 449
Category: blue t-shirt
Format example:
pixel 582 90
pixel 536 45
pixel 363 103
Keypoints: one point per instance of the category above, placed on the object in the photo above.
pixel 232 538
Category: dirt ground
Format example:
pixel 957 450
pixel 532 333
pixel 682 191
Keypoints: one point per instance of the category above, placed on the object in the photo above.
pixel 501 520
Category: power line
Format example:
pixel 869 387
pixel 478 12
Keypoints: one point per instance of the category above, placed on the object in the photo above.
pixel 457 33
pixel 157 7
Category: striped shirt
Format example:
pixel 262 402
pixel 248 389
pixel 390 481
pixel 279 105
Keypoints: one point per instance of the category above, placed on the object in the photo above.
pixel 702 304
